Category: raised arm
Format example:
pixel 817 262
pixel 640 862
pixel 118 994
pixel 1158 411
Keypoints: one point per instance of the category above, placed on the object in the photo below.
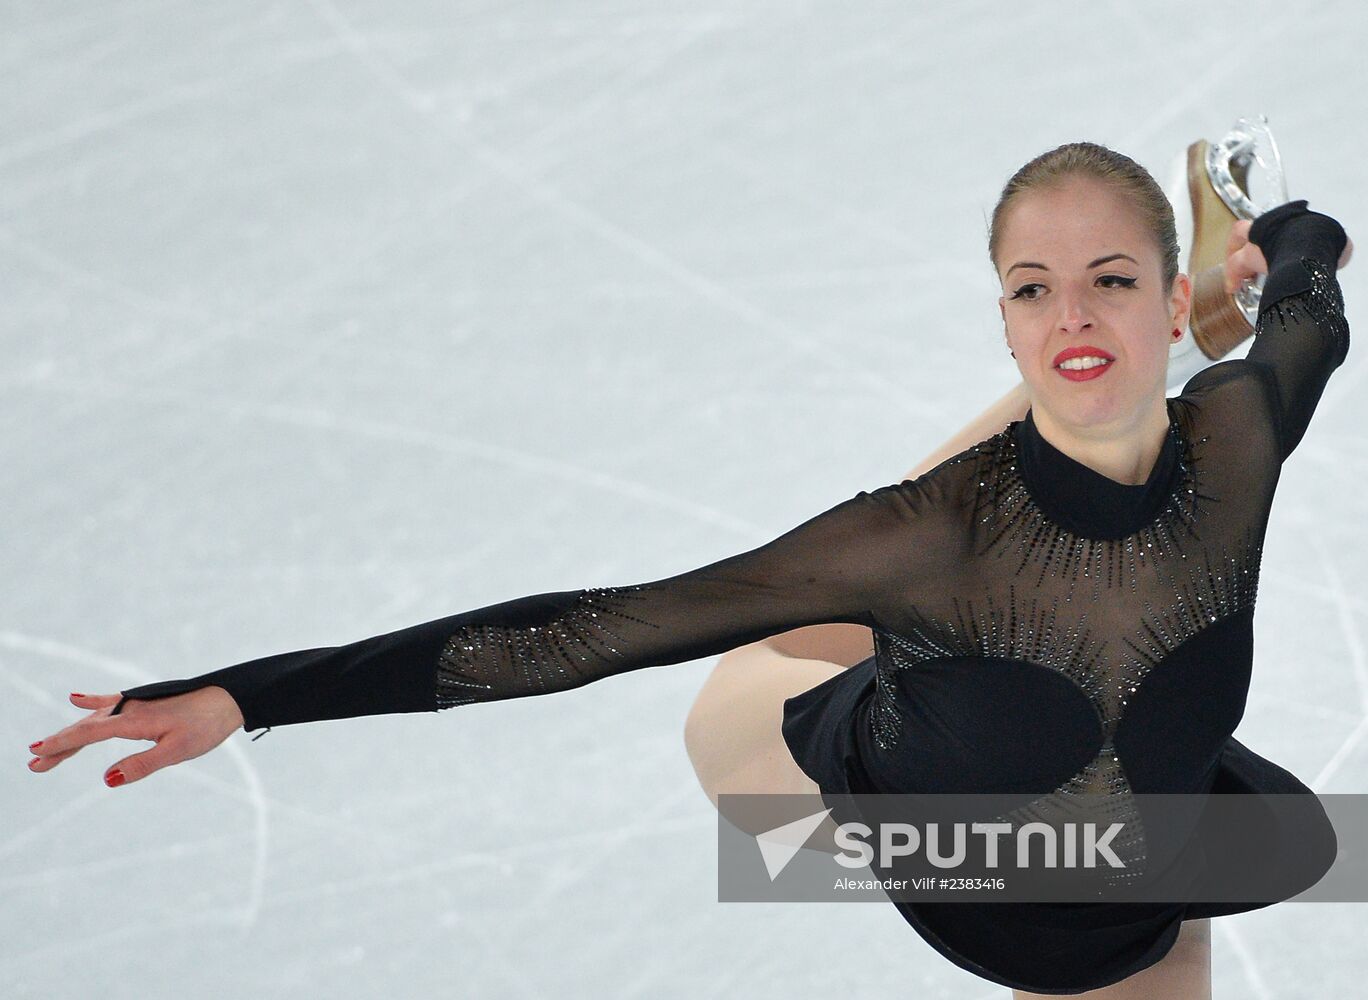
pixel 851 563
pixel 1301 335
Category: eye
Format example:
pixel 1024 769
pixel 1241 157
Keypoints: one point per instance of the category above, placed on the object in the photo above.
pixel 1021 293
pixel 1121 281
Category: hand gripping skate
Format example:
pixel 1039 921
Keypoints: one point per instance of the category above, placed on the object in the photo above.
pixel 1212 186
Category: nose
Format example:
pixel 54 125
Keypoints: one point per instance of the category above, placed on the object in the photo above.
pixel 1074 315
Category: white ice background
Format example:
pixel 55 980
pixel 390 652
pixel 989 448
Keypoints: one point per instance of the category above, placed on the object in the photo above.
pixel 321 319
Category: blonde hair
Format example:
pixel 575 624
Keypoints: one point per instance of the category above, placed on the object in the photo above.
pixel 1088 159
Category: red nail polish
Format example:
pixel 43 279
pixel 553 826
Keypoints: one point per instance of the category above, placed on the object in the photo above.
pixel 77 694
pixel 114 777
pixel 35 746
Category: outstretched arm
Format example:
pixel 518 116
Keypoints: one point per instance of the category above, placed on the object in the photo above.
pixel 845 644
pixel 856 562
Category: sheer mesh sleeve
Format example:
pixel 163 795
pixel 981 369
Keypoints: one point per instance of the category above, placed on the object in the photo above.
pixel 852 563
pixel 1301 335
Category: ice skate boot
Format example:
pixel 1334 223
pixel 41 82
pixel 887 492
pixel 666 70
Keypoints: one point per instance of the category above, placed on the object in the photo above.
pixel 1212 186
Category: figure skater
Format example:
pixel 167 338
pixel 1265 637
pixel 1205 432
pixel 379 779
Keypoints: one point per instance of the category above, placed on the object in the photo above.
pixel 1058 601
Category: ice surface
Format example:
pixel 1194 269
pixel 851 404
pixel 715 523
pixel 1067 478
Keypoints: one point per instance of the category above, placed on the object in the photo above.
pixel 326 318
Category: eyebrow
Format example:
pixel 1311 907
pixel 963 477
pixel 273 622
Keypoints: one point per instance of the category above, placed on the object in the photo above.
pixel 1097 263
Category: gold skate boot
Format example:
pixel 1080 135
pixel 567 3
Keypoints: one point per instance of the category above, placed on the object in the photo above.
pixel 1212 186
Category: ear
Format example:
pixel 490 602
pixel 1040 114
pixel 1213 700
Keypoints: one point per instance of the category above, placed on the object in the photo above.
pixel 1002 308
pixel 1180 301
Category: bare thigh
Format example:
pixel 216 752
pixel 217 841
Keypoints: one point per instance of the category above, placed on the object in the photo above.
pixel 733 731
pixel 1183 974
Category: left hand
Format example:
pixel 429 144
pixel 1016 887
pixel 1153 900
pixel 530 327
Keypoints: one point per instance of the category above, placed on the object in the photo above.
pixel 183 727
pixel 1244 260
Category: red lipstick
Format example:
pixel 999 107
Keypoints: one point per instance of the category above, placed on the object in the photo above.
pixel 1085 374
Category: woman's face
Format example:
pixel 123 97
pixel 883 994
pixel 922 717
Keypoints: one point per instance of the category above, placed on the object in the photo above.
pixel 1080 271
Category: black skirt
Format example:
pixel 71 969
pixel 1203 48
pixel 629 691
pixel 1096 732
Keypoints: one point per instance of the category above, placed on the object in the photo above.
pixel 1051 948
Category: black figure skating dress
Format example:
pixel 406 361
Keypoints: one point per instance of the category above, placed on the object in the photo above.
pixel 1038 627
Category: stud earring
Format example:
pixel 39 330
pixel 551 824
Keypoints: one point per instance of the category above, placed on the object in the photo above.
pixel 1177 333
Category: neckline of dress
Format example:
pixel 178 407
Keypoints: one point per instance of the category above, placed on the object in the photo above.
pixel 1084 501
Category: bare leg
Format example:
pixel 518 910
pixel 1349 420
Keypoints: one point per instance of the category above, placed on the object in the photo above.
pixel 733 731
pixel 1183 974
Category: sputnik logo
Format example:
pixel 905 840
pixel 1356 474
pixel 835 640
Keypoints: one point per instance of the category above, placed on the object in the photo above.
pixel 781 845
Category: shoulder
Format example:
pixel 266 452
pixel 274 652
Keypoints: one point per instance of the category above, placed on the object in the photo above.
pixel 1235 403
pixel 922 527
pixel 951 487
pixel 1214 377
pixel 1235 383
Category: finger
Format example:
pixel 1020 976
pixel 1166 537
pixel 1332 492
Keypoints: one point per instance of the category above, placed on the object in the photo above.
pixel 40 764
pixel 48 746
pixel 140 765
pixel 1247 262
pixel 93 729
pixel 95 701
pixel 1238 237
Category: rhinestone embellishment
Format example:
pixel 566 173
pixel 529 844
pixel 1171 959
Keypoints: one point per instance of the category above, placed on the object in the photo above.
pixel 490 662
